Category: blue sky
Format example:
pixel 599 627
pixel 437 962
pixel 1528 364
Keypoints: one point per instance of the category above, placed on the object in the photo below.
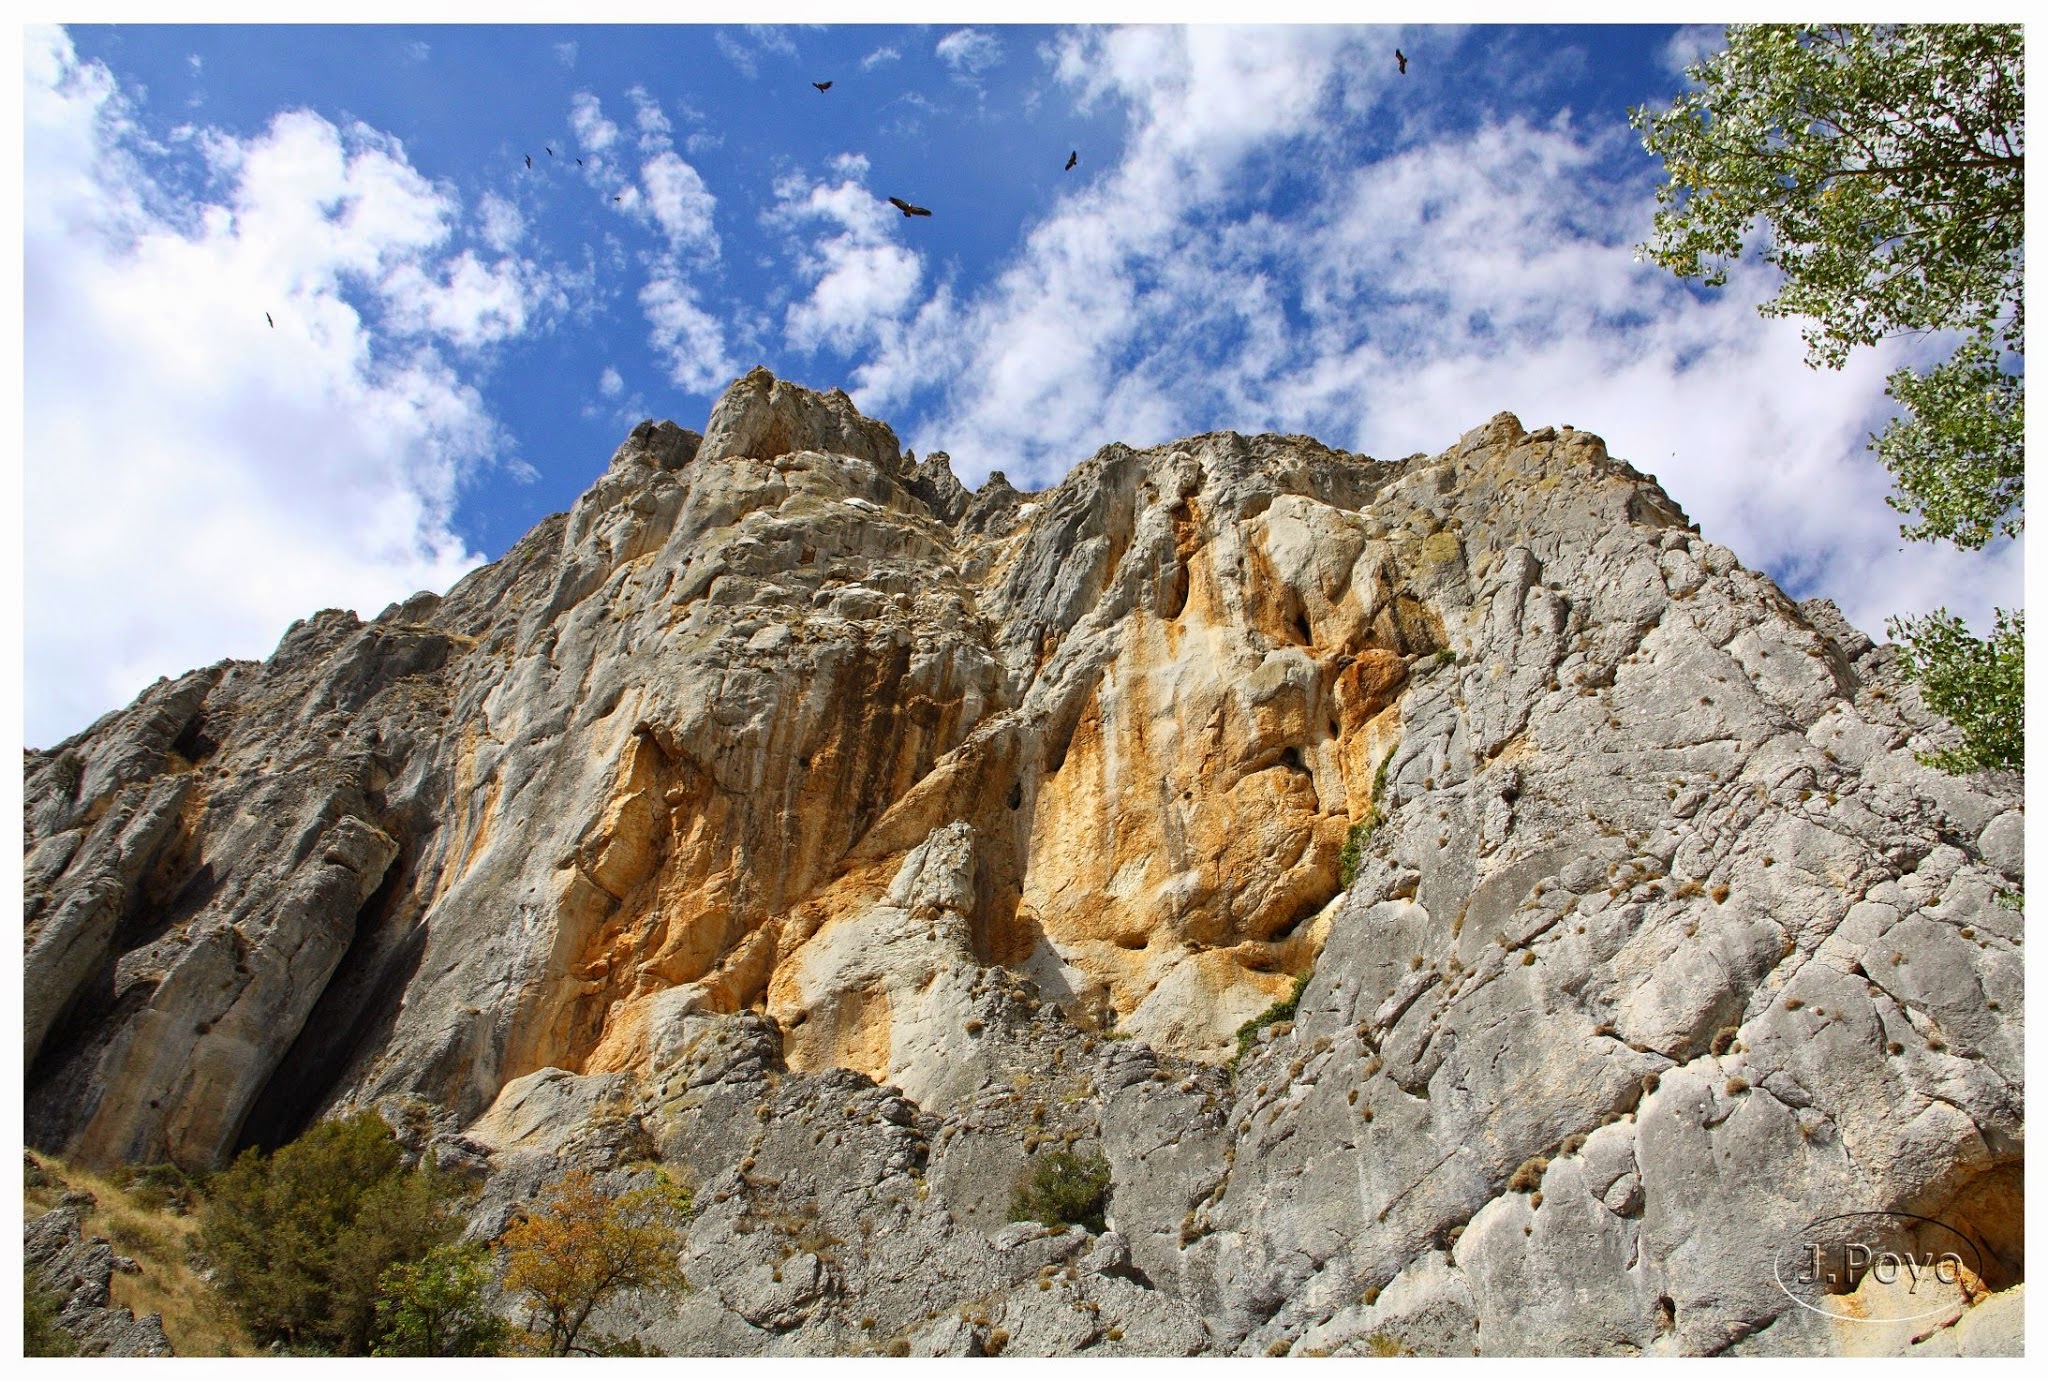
pixel 1268 229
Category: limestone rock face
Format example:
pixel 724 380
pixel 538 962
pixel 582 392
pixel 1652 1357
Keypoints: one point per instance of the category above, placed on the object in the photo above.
pixel 789 816
pixel 78 1273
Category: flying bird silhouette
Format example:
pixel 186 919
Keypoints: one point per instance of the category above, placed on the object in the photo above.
pixel 822 86
pixel 273 325
pixel 529 160
pixel 579 162
pixel 1072 159
pixel 906 208
pixel 1401 58
pixel 551 152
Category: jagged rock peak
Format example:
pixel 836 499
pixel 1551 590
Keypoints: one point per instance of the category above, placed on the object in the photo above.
pixel 662 445
pixel 762 417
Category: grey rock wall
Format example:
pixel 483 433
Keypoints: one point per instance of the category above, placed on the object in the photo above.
pixel 787 817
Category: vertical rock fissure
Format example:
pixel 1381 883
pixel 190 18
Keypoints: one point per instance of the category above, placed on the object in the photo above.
pixel 361 1000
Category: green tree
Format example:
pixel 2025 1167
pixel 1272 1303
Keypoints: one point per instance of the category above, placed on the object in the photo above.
pixel 1886 164
pixel 300 1238
pixel 588 1244
pixel 435 1307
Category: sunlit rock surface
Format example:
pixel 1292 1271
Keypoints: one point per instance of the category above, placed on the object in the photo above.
pixel 786 815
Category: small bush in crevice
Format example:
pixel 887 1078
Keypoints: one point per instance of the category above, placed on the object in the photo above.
pixel 1354 851
pixel 1282 1010
pixel 1064 1187
pixel 1385 1344
pixel 1353 856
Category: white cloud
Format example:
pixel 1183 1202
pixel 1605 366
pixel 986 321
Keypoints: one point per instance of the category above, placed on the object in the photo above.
pixel 463 300
pixel 647 114
pixel 565 53
pixel 610 383
pixel 689 339
pixel 969 51
pixel 772 38
pixel 680 203
pixel 860 277
pixel 671 197
pixel 594 132
pixel 501 225
pixel 878 57
pixel 737 54
pixel 1035 370
pixel 417 51
pixel 195 479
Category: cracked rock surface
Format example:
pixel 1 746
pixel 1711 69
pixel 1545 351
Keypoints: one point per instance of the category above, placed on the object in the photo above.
pixel 788 817
pixel 77 1274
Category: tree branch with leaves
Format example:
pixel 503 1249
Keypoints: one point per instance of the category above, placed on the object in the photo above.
pixel 1886 166
pixel 585 1246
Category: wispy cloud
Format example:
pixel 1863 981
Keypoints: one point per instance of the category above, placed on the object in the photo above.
pixel 969 52
pixel 500 224
pixel 146 301
pixel 670 196
pixel 680 203
pixel 745 53
pixel 772 38
pixel 565 53
pixel 1691 43
pixel 737 54
pixel 652 122
pixel 878 57
pixel 688 338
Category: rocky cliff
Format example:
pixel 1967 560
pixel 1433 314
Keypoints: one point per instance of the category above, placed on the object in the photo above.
pixel 790 815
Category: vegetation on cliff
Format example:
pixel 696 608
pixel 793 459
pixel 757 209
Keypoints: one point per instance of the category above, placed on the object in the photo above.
pixel 300 1238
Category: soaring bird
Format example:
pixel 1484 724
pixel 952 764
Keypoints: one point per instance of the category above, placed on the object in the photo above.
pixel 1072 159
pixel 551 152
pixel 579 162
pixel 1401 58
pixel 529 160
pixel 822 86
pixel 273 325
pixel 906 208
